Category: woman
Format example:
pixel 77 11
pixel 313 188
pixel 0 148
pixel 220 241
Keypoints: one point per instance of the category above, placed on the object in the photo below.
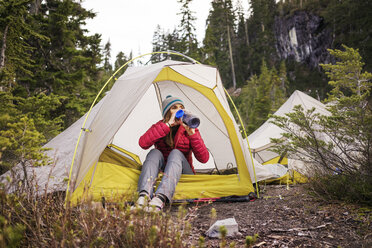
pixel 174 144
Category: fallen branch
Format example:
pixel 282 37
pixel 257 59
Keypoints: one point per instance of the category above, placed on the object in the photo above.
pixel 301 229
pixel 260 244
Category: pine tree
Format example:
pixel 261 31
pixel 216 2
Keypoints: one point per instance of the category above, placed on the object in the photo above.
pixel 158 44
pixel 245 103
pixel 346 76
pixel 218 40
pixel 262 104
pixel 173 42
pixel 8 114
pixel 22 142
pixel 107 57
pixel 182 39
pixel 16 30
pixel 262 96
pixel 39 120
pixel 121 59
pixel 242 54
pixel 351 23
pixel 65 60
pixel 261 33
pixel 187 30
pixel 279 84
pixel 42 110
pixel 49 74
pixel 166 41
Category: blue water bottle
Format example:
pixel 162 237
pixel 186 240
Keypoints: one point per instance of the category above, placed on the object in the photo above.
pixel 188 118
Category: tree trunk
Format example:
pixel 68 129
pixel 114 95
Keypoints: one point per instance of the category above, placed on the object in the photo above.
pixel 246 32
pixel 3 48
pixel 35 7
pixel 231 58
pixel 26 183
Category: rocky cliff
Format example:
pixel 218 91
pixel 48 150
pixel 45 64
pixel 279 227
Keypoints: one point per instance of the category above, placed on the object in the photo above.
pixel 303 37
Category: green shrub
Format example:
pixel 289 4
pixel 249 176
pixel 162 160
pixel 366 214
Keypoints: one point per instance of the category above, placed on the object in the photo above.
pixel 10 236
pixel 352 188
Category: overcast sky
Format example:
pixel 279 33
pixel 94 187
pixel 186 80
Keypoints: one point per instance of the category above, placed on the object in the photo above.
pixel 130 24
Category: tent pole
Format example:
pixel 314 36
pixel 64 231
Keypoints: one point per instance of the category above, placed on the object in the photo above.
pixel 246 138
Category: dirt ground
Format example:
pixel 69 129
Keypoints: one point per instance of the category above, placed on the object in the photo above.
pixel 285 217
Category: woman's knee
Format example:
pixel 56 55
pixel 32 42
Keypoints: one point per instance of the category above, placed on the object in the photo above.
pixel 154 156
pixel 176 155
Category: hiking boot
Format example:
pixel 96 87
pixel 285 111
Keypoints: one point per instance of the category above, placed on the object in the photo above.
pixel 155 205
pixel 141 202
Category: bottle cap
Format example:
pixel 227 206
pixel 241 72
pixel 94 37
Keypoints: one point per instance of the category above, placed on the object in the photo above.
pixel 179 113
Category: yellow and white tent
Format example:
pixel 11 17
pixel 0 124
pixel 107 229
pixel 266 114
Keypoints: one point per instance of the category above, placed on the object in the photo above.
pixel 132 106
pixel 260 139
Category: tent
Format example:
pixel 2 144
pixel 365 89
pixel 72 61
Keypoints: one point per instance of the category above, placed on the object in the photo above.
pixel 260 142
pixel 107 159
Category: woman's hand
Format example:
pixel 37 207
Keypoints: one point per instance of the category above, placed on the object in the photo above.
pixel 190 131
pixel 173 121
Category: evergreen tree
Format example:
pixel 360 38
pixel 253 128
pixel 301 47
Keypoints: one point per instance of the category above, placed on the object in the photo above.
pixel 41 109
pixel 245 103
pixel 48 74
pixel 107 57
pixel 181 39
pixel 261 33
pixel 262 96
pixel 346 76
pixel 24 126
pixel 65 60
pixel 278 87
pixel 173 42
pixel 166 41
pixel 218 40
pixel 187 30
pixel 262 104
pixel 351 22
pixel 242 55
pixel 121 59
pixel 22 142
pixel 158 44
pixel 16 30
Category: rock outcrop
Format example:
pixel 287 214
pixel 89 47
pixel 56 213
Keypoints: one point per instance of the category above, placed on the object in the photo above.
pixel 303 37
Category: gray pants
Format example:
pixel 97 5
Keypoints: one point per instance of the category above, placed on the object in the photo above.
pixel 176 165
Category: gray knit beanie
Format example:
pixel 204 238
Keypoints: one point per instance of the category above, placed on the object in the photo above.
pixel 168 102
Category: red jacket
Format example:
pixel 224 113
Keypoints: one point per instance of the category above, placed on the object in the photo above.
pixel 182 141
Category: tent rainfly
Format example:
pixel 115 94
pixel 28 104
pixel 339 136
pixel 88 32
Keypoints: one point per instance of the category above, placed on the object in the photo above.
pixel 107 160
